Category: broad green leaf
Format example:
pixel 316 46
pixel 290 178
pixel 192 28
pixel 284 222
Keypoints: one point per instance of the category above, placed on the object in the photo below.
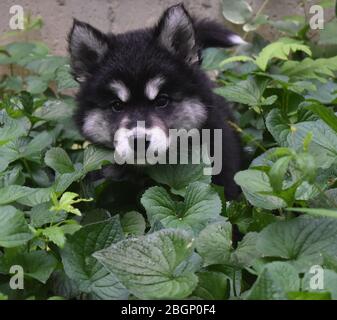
pixel 212 286
pixel 37 196
pixel 280 50
pixel 58 159
pixel 214 243
pixel 236 59
pixel 238 11
pixel 64 79
pixel 302 241
pixel 256 186
pixel 36 84
pixel 323 146
pixel 246 251
pixel 95 157
pixel 36 264
pixel 200 206
pixel 14 230
pixel 133 223
pixel 157 266
pixel 179 176
pixel 11 129
pixel 308 68
pixel 274 282
pixel 13 193
pixel 41 215
pixel 55 110
pixel 84 269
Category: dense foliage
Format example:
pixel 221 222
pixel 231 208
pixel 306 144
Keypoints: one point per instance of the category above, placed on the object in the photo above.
pixel 171 236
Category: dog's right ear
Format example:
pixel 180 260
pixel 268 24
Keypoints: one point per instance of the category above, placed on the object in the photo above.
pixel 87 47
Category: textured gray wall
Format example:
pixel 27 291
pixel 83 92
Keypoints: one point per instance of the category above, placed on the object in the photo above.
pixel 121 15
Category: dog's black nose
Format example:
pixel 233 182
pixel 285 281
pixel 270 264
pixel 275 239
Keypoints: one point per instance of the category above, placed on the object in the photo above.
pixel 139 144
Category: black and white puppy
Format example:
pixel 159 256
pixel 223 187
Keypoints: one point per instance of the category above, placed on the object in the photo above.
pixel 152 75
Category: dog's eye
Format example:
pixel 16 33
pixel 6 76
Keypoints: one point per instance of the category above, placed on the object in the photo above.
pixel 162 101
pixel 116 105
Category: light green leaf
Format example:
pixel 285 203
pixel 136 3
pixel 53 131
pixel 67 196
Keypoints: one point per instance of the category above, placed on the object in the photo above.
pixel 65 203
pixel 95 157
pixel 280 50
pixel 316 211
pixel 41 215
pixel 238 11
pixel 157 266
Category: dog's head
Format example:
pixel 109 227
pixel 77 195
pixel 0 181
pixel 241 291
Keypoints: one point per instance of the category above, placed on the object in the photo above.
pixel 150 76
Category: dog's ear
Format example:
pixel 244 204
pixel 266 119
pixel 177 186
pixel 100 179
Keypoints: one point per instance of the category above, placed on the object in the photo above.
pixel 87 46
pixel 175 32
pixel 212 34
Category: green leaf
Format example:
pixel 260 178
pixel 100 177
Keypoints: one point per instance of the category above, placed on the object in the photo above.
pixel 14 230
pixel 280 50
pixel 326 114
pixel 41 215
pixel 214 243
pixel 36 85
pixel 133 223
pixel 95 157
pixel 238 11
pixel 157 266
pixel 212 286
pixel 84 269
pixel 64 79
pixel 323 146
pixel 301 241
pixel 277 173
pixel 13 193
pixel 308 68
pixel 38 265
pixel 65 203
pixel 256 186
pixel 179 176
pixel 274 282
pixel 11 129
pixel 236 59
pixel 59 161
pixel 55 234
pixel 200 206
pixel 316 211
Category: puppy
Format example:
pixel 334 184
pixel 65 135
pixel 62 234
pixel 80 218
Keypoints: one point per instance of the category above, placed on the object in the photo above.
pixel 153 76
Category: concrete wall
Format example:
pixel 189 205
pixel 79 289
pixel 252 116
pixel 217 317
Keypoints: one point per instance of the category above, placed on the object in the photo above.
pixel 122 15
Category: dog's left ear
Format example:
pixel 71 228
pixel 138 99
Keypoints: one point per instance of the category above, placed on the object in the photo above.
pixel 176 33
pixel 87 47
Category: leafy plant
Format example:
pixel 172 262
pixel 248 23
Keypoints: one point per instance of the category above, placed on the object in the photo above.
pixel 173 235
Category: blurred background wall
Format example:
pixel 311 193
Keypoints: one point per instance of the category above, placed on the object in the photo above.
pixel 122 15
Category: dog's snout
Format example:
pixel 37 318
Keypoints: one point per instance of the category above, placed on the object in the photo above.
pixel 139 143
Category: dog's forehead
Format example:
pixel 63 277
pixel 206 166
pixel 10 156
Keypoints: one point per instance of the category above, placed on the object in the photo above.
pixel 126 89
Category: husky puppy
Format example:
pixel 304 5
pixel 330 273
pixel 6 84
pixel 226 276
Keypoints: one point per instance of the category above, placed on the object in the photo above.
pixel 152 75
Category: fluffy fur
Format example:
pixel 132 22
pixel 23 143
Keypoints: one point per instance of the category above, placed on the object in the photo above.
pixel 152 75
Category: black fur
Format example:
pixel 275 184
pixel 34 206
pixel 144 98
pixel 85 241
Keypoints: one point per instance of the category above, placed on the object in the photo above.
pixel 137 56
